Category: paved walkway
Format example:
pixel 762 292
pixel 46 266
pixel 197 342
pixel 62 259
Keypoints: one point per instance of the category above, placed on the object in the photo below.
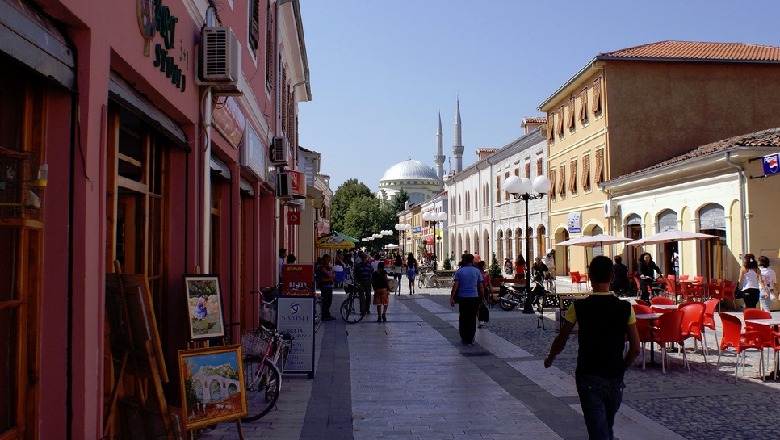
pixel 411 378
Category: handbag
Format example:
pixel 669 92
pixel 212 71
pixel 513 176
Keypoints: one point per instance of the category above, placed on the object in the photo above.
pixel 483 313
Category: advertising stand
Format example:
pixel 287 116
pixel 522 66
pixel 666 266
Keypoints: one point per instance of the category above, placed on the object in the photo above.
pixel 295 314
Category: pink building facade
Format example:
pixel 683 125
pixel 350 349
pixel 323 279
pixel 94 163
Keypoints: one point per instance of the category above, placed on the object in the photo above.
pixel 120 149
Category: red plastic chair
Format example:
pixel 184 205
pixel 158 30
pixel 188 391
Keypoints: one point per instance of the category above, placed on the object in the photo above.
pixel 577 278
pixel 693 324
pixel 709 317
pixel 669 331
pixel 672 287
pixel 714 289
pixel 764 330
pixel 642 303
pixel 643 327
pixel 728 292
pixel 638 283
pixel 690 292
pixel 733 336
pixel 684 277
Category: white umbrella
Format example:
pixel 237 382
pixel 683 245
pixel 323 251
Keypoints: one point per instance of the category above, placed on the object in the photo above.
pixel 391 246
pixel 671 235
pixel 594 240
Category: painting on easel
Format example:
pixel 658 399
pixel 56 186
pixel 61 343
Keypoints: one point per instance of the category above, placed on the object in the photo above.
pixel 212 385
pixel 204 306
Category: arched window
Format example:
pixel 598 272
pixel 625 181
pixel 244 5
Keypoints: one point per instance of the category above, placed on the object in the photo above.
pixel 667 219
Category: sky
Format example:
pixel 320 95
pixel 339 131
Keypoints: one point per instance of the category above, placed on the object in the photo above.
pixel 381 70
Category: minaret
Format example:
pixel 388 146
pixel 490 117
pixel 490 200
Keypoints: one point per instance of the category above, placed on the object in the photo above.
pixel 438 159
pixel 457 147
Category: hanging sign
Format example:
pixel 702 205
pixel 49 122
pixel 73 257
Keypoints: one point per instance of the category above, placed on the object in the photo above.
pixel 574 225
pixel 771 164
pixel 298 279
pixel 293 218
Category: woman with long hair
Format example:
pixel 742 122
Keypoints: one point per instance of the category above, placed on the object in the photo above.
pixel 411 271
pixel 398 272
pixel 748 277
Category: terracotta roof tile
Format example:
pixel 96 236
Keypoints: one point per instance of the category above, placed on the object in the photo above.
pixel 694 50
pixel 535 120
pixel 765 138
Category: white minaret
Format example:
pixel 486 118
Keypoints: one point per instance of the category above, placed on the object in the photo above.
pixel 457 147
pixel 439 157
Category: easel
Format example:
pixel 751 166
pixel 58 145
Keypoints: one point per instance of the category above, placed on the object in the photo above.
pixel 204 344
pixel 134 337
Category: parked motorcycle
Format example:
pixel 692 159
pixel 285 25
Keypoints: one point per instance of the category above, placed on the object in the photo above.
pixel 511 297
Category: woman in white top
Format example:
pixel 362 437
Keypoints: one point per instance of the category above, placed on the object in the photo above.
pixel 398 272
pixel 748 276
pixel 765 288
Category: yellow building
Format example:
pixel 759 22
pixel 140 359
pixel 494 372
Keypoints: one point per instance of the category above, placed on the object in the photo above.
pixel 630 109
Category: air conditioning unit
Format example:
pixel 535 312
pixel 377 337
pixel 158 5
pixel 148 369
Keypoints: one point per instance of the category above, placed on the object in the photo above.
pixel 279 150
pixel 219 55
pixel 610 208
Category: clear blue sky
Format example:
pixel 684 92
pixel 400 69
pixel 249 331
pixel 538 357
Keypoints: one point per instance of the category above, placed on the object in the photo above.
pixel 380 70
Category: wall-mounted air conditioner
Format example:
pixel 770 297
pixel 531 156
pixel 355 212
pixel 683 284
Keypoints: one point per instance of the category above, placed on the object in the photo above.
pixel 279 150
pixel 610 208
pixel 219 55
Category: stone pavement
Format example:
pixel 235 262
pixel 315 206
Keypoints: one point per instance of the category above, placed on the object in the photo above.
pixel 411 378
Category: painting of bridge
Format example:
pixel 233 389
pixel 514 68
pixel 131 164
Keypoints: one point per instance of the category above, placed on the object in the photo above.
pixel 212 385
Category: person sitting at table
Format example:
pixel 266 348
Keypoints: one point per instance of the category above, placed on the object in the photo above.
pixel 647 270
pixel 620 283
pixel 605 323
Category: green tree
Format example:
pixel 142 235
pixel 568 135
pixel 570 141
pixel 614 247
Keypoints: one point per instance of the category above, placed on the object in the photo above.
pixel 346 194
pixel 494 270
pixel 399 201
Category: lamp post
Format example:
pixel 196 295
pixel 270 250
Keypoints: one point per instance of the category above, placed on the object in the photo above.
pixel 402 228
pixel 434 217
pixel 522 188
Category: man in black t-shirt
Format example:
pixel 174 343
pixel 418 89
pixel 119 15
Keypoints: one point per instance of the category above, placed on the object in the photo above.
pixel 605 322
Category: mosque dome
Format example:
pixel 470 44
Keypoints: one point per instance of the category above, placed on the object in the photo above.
pixel 409 170
pixel 418 180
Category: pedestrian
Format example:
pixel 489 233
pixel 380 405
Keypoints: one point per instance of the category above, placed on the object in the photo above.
pixel 380 283
pixel 398 272
pixel 291 259
pixel 487 287
pixel 605 322
pixel 768 277
pixel 468 288
pixel 282 259
pixel 324 277
pixel 411 271
pixel 620 283
pixel 520 267
pixel 748 277
pixel 363 271
pixel 508 266
pixel 647 270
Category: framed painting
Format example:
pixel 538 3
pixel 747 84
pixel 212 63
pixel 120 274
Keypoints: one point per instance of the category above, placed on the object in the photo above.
pixel 204 306
pixel 212 386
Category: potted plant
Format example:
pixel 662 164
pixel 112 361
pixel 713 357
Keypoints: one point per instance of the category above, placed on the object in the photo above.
pixel 446 265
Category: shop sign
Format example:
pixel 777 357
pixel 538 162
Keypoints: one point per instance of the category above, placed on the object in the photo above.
pixel 296 316
pixel 297 182
pixel 574 225
pixel 771 164
pixel 293 218
pixel 230 121
pixel 154 17
pixel 298 280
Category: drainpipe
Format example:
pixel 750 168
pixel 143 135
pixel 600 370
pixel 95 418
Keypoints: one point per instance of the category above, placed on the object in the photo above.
pixel 742 203
pixel 206 203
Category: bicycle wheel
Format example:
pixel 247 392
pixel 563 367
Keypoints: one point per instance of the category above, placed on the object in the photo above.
pixel 317 314
pixel 263 385
pixel 349 311
pixel 284 351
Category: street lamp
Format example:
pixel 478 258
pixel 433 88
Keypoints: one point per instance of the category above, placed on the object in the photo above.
pixel 434 217
pixel 522 188
pixel 402 228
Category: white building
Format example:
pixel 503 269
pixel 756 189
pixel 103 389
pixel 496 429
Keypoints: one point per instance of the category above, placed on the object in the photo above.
pixel 417 179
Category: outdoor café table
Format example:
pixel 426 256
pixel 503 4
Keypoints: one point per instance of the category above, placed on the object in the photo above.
pixel 772 322
pixel 663 308
pixel 651 317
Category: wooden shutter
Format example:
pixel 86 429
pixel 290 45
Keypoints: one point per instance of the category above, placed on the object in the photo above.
pixel 599 174
pixel 573 177
pixel 597 95
pixel 586 173
pixel 552 183
pixel 584 105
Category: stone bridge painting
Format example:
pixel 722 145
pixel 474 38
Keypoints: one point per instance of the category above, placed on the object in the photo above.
pixel 212 385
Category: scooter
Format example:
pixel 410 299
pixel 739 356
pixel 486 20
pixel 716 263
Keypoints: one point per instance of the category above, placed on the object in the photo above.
pixel 511 297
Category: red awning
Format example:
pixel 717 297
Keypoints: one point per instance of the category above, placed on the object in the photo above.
pixel 429 239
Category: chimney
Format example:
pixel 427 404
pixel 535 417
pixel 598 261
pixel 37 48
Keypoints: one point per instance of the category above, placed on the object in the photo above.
pixel 482 153
pixel 529 124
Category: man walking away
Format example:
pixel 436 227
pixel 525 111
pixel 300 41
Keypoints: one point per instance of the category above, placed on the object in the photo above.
pixel 324 276
pixel 363 273
pixel 604 323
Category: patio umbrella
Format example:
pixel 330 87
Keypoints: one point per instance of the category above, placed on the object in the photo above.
pixel 391 246
pixel 671 235
pixel 334 241
pixel 594 240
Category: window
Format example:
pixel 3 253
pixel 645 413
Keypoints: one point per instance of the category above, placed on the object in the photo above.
pixel 553 188
pixel 570 114
pixel 270 53
pixel 539 166
pixel 498 189
pixel 528 170
pixel 254 24
pixel 506 193
pixel 573 177
pixel 559 126
pixel 597 96
pixel 562 182
pixel 584 105
pixel 599 174
pixel 551 127
pixel 586 173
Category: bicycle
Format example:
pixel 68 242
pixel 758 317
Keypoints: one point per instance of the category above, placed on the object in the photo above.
pixel 351 310
pixel 264 350
pixel 427 278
